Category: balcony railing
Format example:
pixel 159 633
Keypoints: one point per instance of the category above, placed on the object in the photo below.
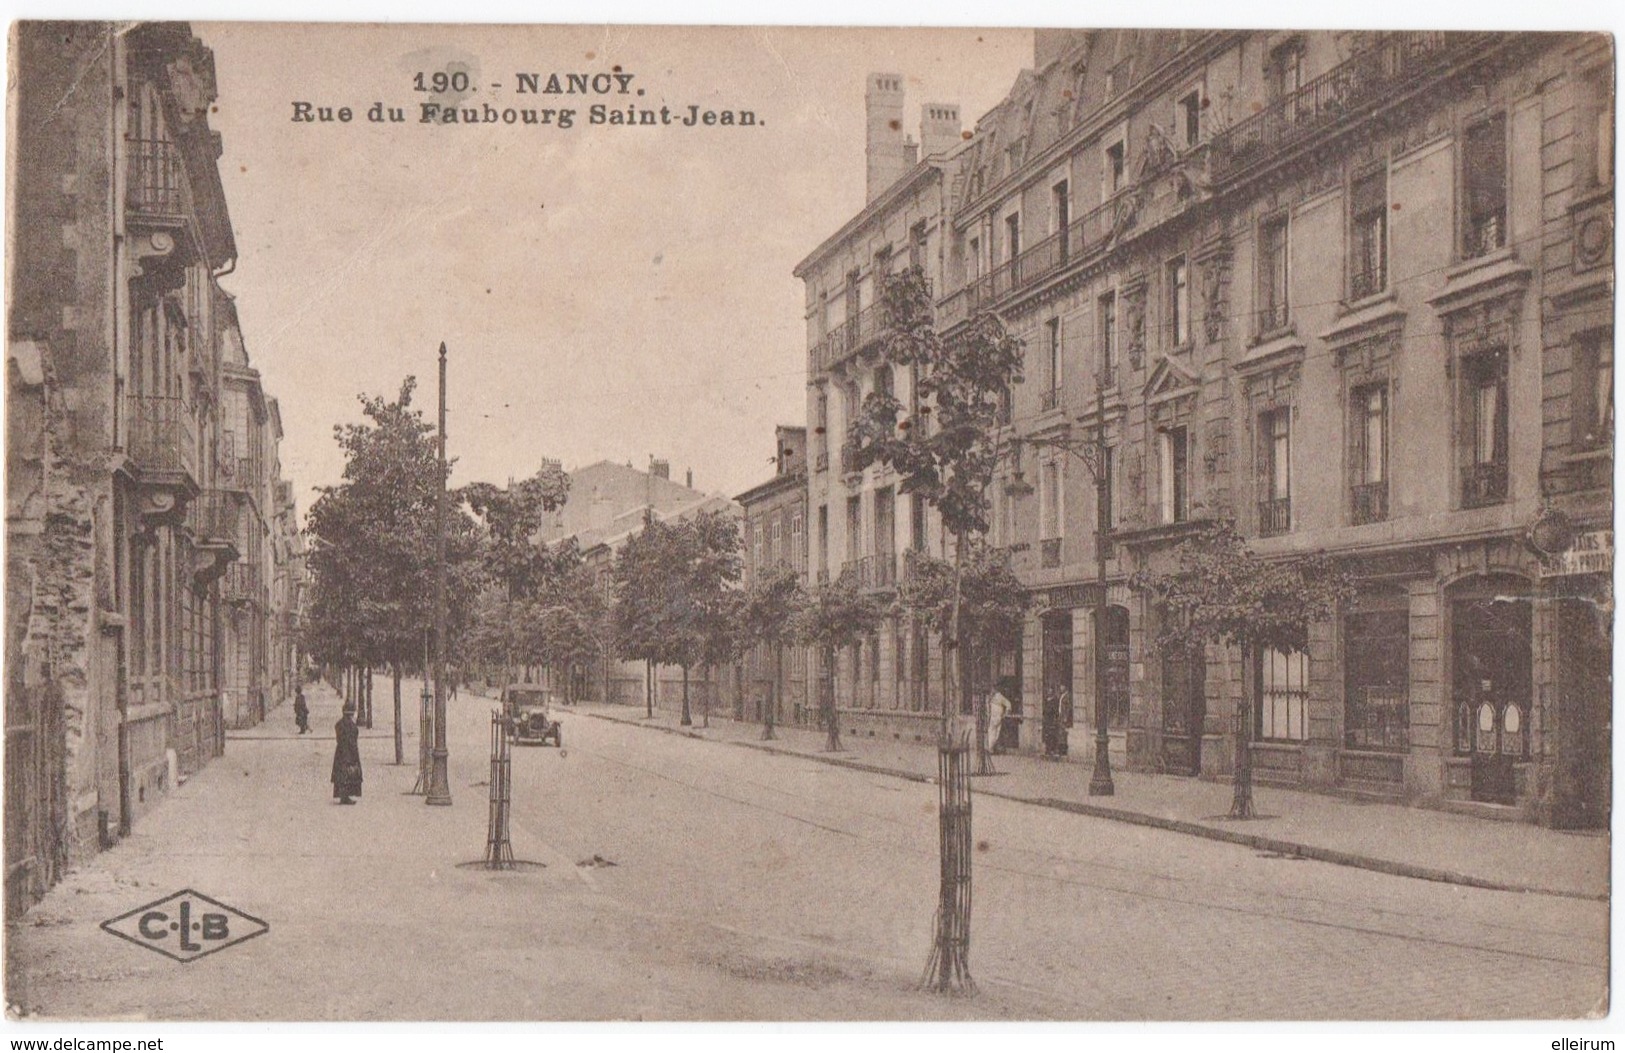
pixel 1484 235
pixel 213 517
pixel 1049 552
pixel 872 572
pixel 156 178
pixel 1049 400
pixel 1368 502
pixel 161 434
pixel 1344 92
pixel 1273 317
pixel 1275 516
pixel 243 583
pixel 1367 281
pixel 1483 484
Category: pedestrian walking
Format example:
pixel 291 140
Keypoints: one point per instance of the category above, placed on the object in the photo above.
pixel 347 757
pixel 301 711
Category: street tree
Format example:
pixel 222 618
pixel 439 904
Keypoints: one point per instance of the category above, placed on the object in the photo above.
pixel 836 615
pixel 1220 593
pixel 511 551
pixel 372 545
pixel 769 615
pixel 991 607
pixel 672 582
pixel 946 452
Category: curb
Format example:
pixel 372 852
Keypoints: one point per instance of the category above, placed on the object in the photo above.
pixel 1260 842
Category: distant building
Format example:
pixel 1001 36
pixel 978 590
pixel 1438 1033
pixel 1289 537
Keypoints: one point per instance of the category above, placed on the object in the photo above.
pixel 127 506
pixel 774 534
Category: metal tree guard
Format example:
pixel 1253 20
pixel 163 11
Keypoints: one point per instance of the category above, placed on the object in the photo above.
pixel 949 967
pixel 498 849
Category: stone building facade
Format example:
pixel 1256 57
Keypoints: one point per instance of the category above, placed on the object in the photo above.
pixel 1352 292
pixel 120 524
pixel 773 533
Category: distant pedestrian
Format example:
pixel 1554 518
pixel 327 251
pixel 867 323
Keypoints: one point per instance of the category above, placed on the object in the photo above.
pixel 301 711
pixel 347 757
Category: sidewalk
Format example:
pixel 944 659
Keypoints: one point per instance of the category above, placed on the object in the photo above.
pixel 1395 839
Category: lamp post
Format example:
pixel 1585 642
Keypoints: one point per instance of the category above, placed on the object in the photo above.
pixel 1094 457
pixel 439 780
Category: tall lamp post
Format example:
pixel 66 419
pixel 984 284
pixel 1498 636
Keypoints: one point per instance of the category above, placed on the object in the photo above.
pixel 439 780
pixel 1094 457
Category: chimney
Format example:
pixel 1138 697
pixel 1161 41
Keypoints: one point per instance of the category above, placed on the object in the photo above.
pixel 883 106
pixel 688 478
pixel 939 128
pixel 660 469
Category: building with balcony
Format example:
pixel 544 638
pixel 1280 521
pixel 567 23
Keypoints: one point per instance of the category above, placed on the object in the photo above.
pixel 773 530
pixel 858 522
pixel 121 531
pixel 1351 291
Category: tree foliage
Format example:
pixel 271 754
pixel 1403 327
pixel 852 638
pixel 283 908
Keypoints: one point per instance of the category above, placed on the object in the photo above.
pixel 672 585
pixel 992 602
pixel 950 453
pixel 1223 593
pixel 372 541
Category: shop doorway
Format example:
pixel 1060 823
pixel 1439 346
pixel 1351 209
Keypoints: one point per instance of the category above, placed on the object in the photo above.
pixel 1057 681
pixel 1492 688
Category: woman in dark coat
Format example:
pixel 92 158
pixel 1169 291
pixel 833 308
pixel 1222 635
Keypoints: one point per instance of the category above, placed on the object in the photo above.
pixel 347 757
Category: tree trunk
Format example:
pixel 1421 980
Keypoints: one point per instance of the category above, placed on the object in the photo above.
pixel 705 696
pixel 400 751
pixel 649 689
pixel 772 699
pixel 688 718
pixel 955 658
pixel 832 728
pixel 1241 802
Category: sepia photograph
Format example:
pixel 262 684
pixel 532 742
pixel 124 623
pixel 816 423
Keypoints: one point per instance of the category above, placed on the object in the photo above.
pixel 538 523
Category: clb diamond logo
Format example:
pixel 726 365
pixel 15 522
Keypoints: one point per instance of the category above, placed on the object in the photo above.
pixel 186 926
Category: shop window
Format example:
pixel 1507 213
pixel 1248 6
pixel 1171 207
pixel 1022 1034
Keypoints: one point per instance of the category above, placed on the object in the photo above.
pixel 1283 695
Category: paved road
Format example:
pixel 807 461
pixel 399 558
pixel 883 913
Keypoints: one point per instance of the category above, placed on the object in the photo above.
pixel 748 885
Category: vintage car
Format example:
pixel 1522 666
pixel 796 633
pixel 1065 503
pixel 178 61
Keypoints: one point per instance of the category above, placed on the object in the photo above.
pixel 527 711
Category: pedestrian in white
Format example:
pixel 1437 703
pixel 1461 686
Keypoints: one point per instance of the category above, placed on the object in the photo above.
pixel 997 706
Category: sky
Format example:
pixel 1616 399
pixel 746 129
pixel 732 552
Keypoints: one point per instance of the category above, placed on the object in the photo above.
pixel 604 292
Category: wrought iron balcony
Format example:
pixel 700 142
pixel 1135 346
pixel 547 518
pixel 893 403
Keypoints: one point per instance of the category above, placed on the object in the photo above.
pixel 213 517
pixel 156 179
pixel 243 584
pixel 1484 235
pixel 162 439
pixel 1275 516
pixel 1368 280
pixel 1483 484
pixel 1397 62
pixel 873 572
pixel 1049 552
pixel 1049 400
pixel 1368 502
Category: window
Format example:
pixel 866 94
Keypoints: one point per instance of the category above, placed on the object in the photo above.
pixel 1172 469
pixel 1188 118
pixel 854 528
pixel 823 541
pixel 854 297
pixel 916 523
pixel 775 543
pixel 1368 235
pixel 1594 391
pixel 1377 655
pixel 1049 515
pixel 1061 211
pixel 821 428
pixel 1052 347
pixel 1179 299
pixel 1484 175
pixel 1116 161
pixel 1484 420
pixel 1012 235
pixel 1368 454
pixel 883 262
pixel 973 261
pixel 758 551
pixel 1108 339
pixel 1105 514
pixel 1275 471
pixel 1283 695
pixel 1286 76
pixel 917 245
pixel 797 555
pixel 1272 276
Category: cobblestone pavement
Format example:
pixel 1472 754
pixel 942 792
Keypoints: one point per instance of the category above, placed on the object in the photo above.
pixel 690 879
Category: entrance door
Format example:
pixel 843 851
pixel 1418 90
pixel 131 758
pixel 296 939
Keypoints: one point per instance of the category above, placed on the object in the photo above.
pixel 1057 657
pixel 1184 709
pixel 1493 688
pixel 1114 643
